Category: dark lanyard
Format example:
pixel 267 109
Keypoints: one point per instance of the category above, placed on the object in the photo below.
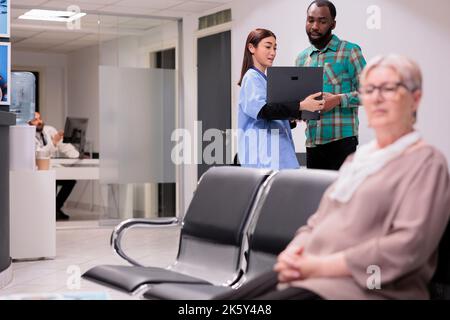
pixel 44 141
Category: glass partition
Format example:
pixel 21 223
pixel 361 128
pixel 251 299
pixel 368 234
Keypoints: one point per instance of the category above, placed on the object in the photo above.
pixel 137 98
pixel 120 72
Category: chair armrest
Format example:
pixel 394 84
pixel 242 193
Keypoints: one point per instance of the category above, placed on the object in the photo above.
pixel 119 231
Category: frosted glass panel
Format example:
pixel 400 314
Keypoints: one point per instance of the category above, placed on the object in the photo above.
pixel 137 117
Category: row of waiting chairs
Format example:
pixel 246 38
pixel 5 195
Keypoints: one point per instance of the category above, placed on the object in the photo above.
pixel 237 223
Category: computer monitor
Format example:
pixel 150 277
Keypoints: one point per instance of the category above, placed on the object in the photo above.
pixel 75 133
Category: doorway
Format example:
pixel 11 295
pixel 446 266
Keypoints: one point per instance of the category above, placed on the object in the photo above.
pixel 214 89
pixel 165 59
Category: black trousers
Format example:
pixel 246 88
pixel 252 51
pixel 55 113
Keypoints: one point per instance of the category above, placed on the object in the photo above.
pixel 332 155
pixel 264 287
pixel 66 188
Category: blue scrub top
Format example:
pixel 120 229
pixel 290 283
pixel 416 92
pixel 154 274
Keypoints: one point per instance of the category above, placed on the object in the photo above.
pixel 262 143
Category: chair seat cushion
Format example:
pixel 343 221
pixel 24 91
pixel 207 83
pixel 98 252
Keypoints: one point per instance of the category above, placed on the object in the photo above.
pixel 174 291
pixel 130 278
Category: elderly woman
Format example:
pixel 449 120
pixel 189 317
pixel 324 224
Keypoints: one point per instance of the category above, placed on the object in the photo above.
pixel 376 232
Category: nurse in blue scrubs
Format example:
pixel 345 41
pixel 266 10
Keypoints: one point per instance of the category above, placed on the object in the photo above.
pixel 264 137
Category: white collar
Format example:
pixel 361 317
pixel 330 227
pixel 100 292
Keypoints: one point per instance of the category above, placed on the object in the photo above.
pixel 368 160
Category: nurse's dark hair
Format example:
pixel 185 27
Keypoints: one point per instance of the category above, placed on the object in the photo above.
pixel 254 38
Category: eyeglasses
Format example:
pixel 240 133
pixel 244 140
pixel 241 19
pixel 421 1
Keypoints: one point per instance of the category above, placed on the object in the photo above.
pixel 388 90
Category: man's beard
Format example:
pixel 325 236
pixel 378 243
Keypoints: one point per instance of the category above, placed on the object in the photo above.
pixel 39 128
pixel 322 41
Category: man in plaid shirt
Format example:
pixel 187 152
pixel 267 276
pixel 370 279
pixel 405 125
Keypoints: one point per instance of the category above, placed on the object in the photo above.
pixel 335 136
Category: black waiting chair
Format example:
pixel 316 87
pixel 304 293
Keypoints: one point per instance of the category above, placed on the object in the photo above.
pixel 440 283
pixel 288 200
pixel 212 231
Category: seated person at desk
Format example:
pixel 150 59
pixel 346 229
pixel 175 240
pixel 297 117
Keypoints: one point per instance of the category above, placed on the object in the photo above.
pixel 48 139
pixel 376 232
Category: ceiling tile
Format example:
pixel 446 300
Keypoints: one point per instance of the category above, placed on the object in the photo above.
pixel 64 5
pixel 151 4
pixel 98 37
pixel 196 6
pixel 220 1
pixel 24 33
pixel 62 50
pixel 172 13
pixel 16 39
pixel 127 10
pixel 36 24
pixel 99 2
pixel 53 51
pixel 28 2
pixel 17 12
pixel 81 43
pixel 142 23
pixel 104 19
pixel 69 35
pixel 74 46
pixel 34 46
pixel 48 42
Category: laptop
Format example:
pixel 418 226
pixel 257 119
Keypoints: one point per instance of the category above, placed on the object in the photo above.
pixel 294 84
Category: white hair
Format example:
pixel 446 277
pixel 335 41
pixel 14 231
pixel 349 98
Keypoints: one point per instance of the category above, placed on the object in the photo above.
pixel 407 69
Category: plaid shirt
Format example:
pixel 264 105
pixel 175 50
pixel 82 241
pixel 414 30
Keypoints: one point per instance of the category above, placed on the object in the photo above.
pixel 343 62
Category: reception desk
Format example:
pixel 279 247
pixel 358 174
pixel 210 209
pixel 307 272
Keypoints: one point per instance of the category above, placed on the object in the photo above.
pixel 76 169
pixel 6 120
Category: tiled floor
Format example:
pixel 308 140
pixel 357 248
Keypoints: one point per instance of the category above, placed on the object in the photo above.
pixel 82 245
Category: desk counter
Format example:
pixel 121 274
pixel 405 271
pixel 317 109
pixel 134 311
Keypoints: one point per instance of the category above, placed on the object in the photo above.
pixel 76 169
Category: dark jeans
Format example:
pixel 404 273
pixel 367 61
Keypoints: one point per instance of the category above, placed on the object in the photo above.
pixel 332 155
pixel 66 188
pixel 264 287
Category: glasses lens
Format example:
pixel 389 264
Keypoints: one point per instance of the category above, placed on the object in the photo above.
pixel 366 91
pixel 389 91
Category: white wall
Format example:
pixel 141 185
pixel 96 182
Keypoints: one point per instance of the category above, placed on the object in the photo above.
pixel 53 75
pixel 416 28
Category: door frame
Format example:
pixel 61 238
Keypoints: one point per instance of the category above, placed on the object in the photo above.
pixel 145 52
pixel 198 35
pixel 150 51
